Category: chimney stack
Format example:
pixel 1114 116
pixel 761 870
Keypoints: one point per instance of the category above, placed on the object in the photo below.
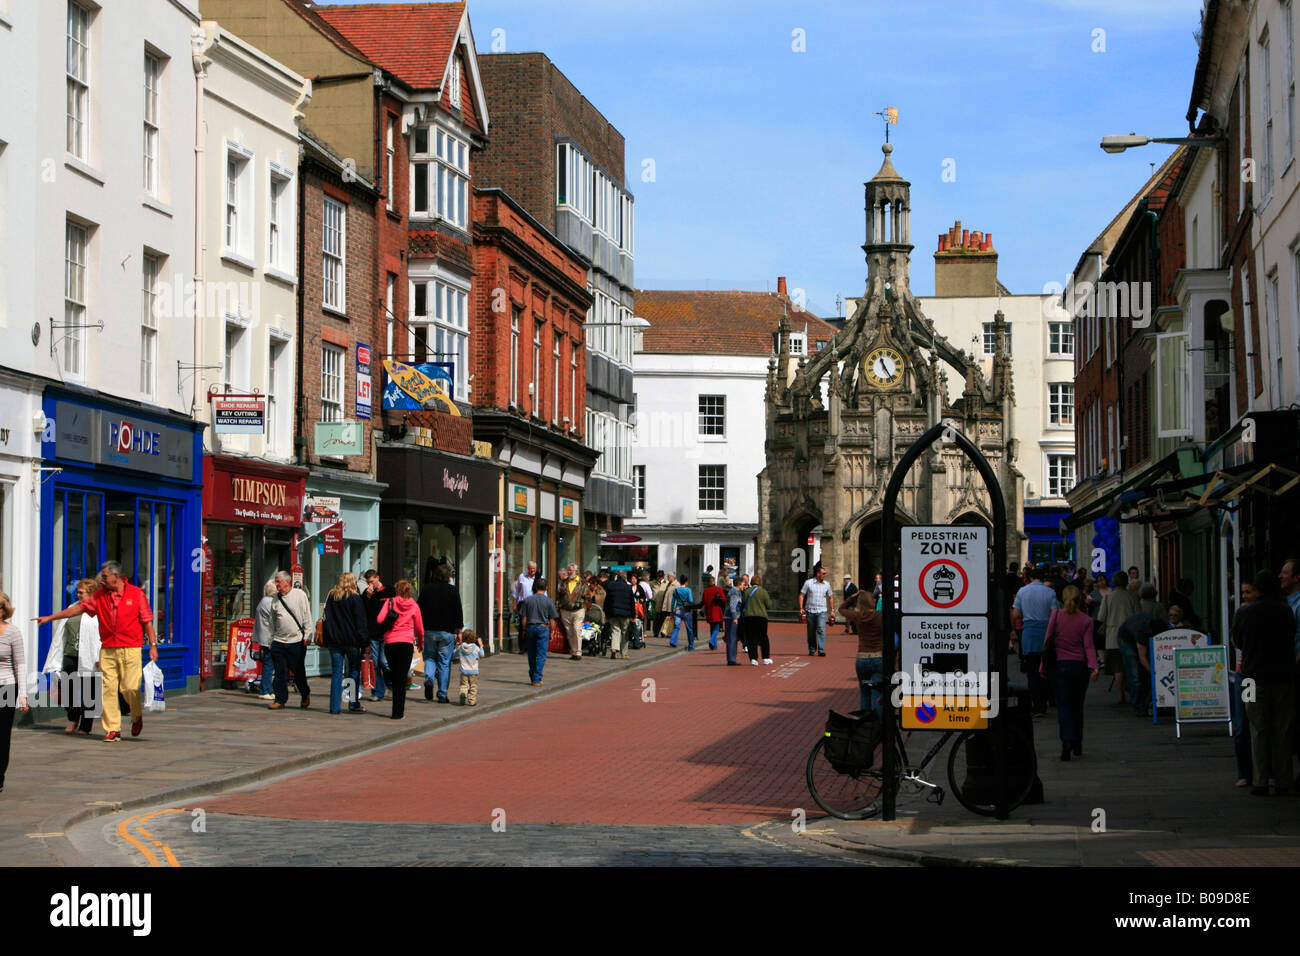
pixel 966 263
pixel 780 285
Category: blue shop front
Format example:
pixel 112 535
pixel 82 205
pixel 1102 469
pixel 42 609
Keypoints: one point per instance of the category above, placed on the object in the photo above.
pixel 1046 545
pixel 125 484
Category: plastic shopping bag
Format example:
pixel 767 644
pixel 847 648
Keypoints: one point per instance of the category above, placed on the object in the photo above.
pixel 153 689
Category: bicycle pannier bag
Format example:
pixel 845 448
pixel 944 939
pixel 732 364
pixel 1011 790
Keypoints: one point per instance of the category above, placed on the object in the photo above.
pixel 851 740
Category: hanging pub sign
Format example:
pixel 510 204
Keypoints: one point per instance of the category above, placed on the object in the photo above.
pixel 338 439
pixel 239 414
pixel 425 385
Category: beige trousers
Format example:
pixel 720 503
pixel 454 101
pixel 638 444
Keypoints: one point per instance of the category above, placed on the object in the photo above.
pixel 123 670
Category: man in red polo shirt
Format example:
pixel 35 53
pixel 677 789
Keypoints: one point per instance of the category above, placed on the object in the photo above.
pixel 125 619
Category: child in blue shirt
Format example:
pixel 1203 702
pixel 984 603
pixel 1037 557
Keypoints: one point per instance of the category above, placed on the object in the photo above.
pixel 468 652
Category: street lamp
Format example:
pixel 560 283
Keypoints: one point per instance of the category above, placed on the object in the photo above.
pixel 636 322
pixel 1117 144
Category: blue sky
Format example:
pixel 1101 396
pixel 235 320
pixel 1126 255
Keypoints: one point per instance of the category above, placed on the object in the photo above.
pixel 760 151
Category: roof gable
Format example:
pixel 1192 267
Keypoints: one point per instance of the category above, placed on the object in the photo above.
pixel 416 42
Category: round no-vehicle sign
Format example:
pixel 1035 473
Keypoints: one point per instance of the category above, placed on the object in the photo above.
pixel 945 568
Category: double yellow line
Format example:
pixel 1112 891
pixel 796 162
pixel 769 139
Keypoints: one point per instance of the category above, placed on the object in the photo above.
pixel 137 823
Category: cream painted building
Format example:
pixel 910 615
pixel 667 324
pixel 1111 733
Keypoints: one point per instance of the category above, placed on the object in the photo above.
pixel 248 209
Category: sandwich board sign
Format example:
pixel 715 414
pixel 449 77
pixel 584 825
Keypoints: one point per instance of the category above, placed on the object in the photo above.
pixel 944 633
pixel 1201 679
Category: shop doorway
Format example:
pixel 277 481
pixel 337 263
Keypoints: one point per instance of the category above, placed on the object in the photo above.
pixel 690 562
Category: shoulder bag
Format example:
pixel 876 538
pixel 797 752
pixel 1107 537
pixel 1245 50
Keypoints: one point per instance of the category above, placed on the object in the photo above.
pixel 297 623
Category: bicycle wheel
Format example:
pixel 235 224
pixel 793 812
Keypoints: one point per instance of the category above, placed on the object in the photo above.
pixel 842 795
pixel 972 770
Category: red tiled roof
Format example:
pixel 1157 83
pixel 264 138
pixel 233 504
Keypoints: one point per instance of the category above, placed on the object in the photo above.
pixel 720 323
pixel 412 41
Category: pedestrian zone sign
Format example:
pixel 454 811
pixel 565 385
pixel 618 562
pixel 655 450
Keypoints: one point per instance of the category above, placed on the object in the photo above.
pixel 945 569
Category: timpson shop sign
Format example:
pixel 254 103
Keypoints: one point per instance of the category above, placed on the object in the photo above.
pixel 247 498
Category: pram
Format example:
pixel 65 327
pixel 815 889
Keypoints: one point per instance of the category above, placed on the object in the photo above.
pixel 595 639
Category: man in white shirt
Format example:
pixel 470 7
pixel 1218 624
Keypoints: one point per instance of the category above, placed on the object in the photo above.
pixel 814 606
pixel 524 589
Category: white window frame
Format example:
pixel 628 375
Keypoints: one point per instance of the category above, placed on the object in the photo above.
pixel 390 152
pixel 556 353
pixel 443 167
pixel 798 344
pixel 515 313
pixel 334 254
pixel 573 383
pixel 453 81
pixel 535 388
pixel 151 270
pixel 1058 483
pixel 76 294
pixel 237 209
pixel 445 325
pixel 707 419
pixel 153 69
pixel 1289 80
pixel 390 317
pixel 236 375
pixel 1174 382
pixel 638 489
pixel 281 221
pixel 1272 316
pixel 1266 112
pixel 989 338
pixel 718 483
pixel 77 69
pixel 1060 412
pixel 1060 339
pixel 277 379
pixel 333 382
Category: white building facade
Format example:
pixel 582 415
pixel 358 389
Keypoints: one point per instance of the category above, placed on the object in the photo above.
pixel 697 445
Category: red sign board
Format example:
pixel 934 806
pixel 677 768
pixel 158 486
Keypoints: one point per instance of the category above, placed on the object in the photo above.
pixel 251 497
pixel 333 537
pixel 206 668
pixel 619 538
pixel 240 665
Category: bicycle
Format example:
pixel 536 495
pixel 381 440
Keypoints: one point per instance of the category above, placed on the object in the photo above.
pixel 853 793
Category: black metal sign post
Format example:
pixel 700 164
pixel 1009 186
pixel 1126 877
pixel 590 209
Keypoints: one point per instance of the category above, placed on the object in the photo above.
pixel 889 538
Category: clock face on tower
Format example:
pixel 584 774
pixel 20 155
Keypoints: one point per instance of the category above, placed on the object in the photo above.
pixel 884 367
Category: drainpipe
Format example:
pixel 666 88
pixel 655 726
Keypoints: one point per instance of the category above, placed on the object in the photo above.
pixel 199 45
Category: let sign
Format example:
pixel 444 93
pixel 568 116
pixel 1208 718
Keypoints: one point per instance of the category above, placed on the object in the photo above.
pixel 945 570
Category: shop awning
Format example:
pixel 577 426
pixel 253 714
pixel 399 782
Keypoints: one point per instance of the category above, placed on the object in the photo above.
pixel 1181 498
pixel 1131 490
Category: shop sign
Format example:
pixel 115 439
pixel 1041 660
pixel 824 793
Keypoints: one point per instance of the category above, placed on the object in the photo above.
pixel 427 384
pixel 1201 674
pixel 254 498
pixel 240 665
pixel 363 380
pixel 238 414
pixel 568 511
pixel 619 538
pixel 318 509
pixel 332 538
pixel 206 635
pixel 339 439
pixel 101 437
pixel 523 500
pixel 235 540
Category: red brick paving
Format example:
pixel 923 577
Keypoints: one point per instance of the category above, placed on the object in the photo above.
pixel 718 745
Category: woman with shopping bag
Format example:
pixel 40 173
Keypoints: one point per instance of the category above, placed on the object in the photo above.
pixel 74 653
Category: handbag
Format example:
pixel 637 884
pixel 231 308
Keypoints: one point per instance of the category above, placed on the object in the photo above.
pixel 367 670
pixel 319 639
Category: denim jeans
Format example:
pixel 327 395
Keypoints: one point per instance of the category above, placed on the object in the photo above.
pixel 268 671
pixel 680 618
pixel 713 635
pixel 870 668
pixel 536 637
pixel 437 653
pixel 816 632
pixel 381 662
pixel 1133 684
pixel 1240 728
pixel 731 628
pixel 345 663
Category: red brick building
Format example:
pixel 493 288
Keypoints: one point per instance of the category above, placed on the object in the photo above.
pixel 526 352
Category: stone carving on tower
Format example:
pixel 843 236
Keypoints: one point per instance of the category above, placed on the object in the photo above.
pixel 838 422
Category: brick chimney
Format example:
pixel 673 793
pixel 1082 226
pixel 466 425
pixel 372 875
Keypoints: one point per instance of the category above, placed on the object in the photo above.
pixel 780 286
pixel 965 263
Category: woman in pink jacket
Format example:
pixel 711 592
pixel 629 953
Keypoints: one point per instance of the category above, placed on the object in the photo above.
pixel 1069 632
pixel 401 639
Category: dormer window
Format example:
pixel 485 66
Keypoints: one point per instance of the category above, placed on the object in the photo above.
pixel 439 176
pixel 453 83
pixel 798 344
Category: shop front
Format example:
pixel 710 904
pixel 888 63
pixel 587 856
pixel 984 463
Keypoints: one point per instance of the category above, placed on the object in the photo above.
pixel 340 532
pixel 1046 544
pixel 252 515
pixel 438 508
pixel 21 426
pixel 123 484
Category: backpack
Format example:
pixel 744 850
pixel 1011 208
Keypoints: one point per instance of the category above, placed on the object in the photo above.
pixel 719 599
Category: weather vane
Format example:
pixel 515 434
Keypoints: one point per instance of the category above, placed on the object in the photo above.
pixel 890 115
